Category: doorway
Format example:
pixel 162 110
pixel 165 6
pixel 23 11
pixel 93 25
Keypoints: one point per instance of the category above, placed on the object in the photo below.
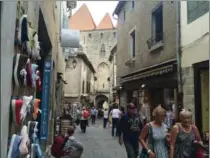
pixel 201 92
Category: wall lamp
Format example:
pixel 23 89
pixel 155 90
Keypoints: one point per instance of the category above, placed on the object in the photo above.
pixel 73 64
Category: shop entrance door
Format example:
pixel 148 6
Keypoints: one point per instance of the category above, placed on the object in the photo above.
pixel 157 97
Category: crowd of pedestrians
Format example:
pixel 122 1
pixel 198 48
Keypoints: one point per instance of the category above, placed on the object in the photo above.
pixel 161 137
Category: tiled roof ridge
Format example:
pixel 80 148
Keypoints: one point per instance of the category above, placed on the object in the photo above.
pixel 102 24
pixel 78 16
pixel 89 14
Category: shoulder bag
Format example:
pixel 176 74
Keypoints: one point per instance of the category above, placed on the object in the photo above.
pixel 144 153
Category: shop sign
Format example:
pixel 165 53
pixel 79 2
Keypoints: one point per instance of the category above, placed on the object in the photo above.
pixel 45 100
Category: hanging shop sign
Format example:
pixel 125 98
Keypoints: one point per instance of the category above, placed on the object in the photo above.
pixel 45 100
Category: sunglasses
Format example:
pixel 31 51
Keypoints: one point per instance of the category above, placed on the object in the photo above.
pixel 132 107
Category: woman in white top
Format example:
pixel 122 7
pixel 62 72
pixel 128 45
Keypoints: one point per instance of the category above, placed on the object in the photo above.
pixel 106 116
pixel 115 113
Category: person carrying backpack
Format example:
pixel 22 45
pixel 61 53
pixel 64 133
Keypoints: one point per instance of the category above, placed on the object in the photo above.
pixel 84 119
pixel 58 145
pixel 72 147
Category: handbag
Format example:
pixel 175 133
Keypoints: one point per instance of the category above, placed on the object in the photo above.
pixel 144 153
pixel 198 150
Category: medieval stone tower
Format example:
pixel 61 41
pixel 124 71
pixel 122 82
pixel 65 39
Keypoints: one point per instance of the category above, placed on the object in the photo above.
pixel 96 42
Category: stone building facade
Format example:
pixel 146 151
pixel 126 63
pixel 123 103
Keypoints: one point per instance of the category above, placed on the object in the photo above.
pixel 96 42
pixel 146 52
pixel 80 80
pixel 195 60
pixel 97 45
pixel 44 17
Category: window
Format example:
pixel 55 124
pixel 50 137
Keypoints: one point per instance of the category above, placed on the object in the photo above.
pixel 157 24
pixel 89 35
pixel 124 16
pixel 114 34
pixel 102 35
pixel 103 50
pixel 132 5
pixel 196 9
pixel 83 87
pixel 133 44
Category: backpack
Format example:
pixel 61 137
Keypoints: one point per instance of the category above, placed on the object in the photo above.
pixel 58 145
pixel 85 114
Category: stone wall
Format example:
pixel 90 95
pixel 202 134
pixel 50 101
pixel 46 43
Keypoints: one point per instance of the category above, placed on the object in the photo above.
pixel 92 42
pixel 140 19
pixel 188 88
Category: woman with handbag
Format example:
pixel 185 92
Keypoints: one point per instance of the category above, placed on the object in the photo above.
pixel 185 138
pixel 157 135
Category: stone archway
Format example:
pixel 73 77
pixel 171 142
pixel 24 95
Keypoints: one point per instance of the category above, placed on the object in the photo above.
pixel 99 100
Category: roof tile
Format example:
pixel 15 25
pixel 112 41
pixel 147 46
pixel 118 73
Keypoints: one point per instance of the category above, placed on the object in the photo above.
pixel 82 19
pixel 106 23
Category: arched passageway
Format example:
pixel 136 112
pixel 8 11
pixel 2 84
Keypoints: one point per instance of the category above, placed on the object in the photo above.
pixel 99 101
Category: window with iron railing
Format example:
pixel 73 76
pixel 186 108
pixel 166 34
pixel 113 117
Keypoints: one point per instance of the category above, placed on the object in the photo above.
pixel 157 26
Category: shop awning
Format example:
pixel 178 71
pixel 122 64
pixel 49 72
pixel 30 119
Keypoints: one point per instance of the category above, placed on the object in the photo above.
pixel 160 75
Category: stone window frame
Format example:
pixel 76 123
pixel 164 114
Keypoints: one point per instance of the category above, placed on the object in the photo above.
pixel 132 5
pixel 103 50
pixel 90 35
pixel 132 54
pixel 196 9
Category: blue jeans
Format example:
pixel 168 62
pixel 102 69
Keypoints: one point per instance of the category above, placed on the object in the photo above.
pixel 105 122
pixel 115 124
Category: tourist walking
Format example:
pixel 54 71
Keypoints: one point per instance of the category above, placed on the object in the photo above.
pixel 129 130
pixel 93 115
pixel 115 113
pixel 184 136
pixel 106 117
pixel 157 135
pixel 72 147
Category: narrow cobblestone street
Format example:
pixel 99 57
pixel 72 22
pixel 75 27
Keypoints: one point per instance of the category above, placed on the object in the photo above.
pixel 98 142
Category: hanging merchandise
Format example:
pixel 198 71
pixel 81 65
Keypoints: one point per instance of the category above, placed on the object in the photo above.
pixel 26 82
pixel 38 81
pixel 16 108
pixel 19 72
pixel 34 68
pixel 36 108
pixel 23 30
pixel 14 151
pixel 25 106
pixel 25 142
pixel 36 47
pixel 28 73
pixel 33 47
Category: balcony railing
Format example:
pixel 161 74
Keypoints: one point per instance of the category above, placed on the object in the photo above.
pixel 158 38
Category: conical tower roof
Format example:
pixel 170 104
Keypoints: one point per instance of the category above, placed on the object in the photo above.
pixel 82 19
pixel 106 23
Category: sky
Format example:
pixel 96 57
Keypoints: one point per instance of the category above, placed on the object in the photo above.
pixel 98 9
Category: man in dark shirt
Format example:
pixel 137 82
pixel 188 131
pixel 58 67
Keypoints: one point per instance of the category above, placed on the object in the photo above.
pixel 130 128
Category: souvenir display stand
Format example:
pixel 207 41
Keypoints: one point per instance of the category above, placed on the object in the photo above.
pixel 26 81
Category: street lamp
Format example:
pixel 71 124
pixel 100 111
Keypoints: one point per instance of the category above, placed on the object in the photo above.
pixel 73 64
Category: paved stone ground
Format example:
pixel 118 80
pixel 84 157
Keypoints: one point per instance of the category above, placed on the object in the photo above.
pixel 98 142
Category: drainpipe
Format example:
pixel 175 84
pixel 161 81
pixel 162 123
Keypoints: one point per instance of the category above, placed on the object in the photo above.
pixel 178 56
